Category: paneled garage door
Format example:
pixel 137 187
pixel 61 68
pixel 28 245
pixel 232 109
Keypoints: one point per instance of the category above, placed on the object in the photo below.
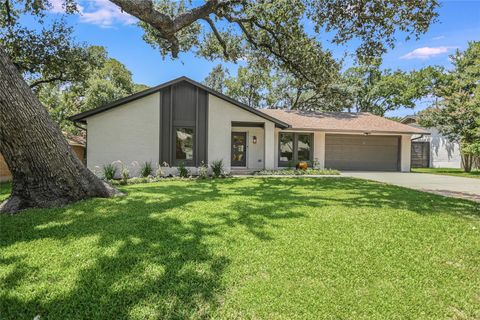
pixel 361 152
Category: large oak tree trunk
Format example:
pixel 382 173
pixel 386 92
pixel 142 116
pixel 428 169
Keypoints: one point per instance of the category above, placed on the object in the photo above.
pixel 46 173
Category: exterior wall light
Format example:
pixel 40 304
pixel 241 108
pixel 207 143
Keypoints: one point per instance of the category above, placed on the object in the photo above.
pixel 254 140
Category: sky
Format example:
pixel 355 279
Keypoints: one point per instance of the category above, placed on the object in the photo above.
pixel 99 22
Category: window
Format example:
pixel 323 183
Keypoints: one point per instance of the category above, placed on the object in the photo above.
pixel 294 147
pixel 184 145
pixel 286 147
pixel 304 146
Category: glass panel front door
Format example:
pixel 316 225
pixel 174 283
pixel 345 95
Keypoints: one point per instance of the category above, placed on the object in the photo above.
pixel 239 149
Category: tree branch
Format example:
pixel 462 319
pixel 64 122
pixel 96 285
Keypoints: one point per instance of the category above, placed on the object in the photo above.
pixel 8 11
pixel 218 36
pixel 167 26
pixel 278 55
pixel 48 80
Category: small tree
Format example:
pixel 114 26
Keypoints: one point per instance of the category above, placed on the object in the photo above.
pixel 457 111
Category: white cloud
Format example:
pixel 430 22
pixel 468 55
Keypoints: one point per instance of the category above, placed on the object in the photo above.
pixel 100 12
pixel 57 6
pixel 438 38
pixel 425 53
pixel 104 13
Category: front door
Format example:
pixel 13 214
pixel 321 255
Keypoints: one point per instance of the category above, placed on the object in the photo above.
pixel 239 149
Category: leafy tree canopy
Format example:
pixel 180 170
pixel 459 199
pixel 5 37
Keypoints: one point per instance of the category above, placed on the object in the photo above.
pixel 370 89
pixel 108 81
pixel 68 77
pixel 272 31
pixel 364 88
pixel 48 54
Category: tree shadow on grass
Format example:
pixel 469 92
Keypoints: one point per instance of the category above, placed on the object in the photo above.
pixel 150 264
pixel 152 255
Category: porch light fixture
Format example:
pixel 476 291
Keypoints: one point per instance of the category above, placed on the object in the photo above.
pixel 254 140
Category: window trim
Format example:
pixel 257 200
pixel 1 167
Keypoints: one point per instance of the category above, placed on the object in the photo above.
pixel 188 163
pixel 295 160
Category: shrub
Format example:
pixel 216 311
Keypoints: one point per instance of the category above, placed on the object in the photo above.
pixel 109 171
pixel 125 175
pixel 159 173
pixel 217 168
pixel 182 170
pixel 146 169
pixel 202 171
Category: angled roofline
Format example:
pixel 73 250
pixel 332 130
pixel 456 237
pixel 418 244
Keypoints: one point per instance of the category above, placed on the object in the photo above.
pixel 80 117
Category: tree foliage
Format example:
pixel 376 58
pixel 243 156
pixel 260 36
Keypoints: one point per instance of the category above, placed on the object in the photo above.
pixel 364 88
pixel 216 78
pixel 273 34
pixel 456 113
pixel 274 31
pixel 48 54
pixel 108 80
pixel 370 89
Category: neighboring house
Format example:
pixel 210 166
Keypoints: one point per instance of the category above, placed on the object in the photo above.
pixel 76 142
pixel 185 121
pixel 434 150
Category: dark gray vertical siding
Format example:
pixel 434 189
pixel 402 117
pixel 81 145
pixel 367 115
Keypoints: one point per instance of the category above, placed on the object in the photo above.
pixel 202 128
pixel 183 105
pixel 165 125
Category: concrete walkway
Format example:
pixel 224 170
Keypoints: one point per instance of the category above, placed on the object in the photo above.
pixel 458 187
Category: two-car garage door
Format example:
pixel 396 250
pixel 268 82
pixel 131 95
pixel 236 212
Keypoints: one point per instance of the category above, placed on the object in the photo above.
pixel 362 152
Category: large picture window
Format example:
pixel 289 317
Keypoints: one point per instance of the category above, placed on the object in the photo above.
pixel 184 145
pixel 294 147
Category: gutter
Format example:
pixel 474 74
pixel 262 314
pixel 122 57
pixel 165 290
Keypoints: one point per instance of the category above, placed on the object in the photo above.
pixel 421 136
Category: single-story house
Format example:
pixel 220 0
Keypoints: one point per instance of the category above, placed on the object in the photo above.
pixel 433 150
pixel 185 121
pixel 77 143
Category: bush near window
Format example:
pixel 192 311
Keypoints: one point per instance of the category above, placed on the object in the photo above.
pixel 183 172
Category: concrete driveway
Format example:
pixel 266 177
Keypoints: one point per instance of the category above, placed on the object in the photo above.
pixel 465 188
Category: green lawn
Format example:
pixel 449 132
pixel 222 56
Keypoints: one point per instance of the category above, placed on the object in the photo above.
pixel 252 248
pixel 449 172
